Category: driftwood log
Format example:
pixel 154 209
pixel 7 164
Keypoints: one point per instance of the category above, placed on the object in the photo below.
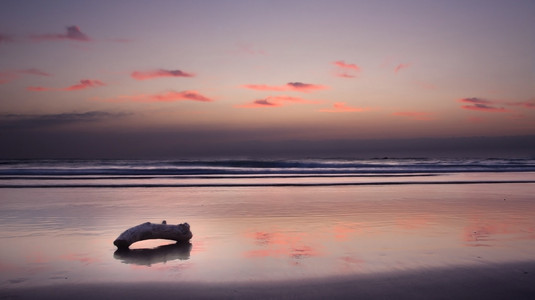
pixel 148 231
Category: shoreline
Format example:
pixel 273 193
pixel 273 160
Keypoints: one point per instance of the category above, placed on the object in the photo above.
pixel 496 281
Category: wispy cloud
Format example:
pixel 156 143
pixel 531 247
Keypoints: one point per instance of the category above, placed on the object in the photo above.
pixel 264 87
pixel 84 84
pixel 170 96
pixel 4 39
pixel 38 89
pixel 144 75
pixel 266 102
pixel 344 65
pixel 184 95
pixel 22 121
pixel 340 107
pixel 72 33
pixel 276 101
pixel 290 86
pixel 346 70
pixel 7 76
pixel 415 115
pixel 34 71
pixel 305 87
pixel 524 104
pixel 401 67
pixel 480 104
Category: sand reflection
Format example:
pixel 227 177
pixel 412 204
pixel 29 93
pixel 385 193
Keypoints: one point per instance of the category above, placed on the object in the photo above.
pixel 148 257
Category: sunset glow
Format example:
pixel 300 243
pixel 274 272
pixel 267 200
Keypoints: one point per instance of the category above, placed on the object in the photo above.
pixel 381 67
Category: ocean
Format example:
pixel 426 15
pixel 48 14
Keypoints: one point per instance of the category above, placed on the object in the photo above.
pixel 261 220
pixel 205 173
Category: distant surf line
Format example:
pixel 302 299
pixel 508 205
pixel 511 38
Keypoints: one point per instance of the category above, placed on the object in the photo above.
pixel 158 185
pixel 113 177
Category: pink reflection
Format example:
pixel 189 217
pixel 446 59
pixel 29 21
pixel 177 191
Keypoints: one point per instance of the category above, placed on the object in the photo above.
pixel 479 234
pixel 342 231
pixel 84 259
pixel 274 238
pixel 278 244
pixel 349 263
pixel 37 258
pixel 415 222
pixel 267 253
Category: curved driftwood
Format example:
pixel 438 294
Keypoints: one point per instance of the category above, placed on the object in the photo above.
pixel 148 231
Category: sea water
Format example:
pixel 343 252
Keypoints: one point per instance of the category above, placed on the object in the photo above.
pixel 258 220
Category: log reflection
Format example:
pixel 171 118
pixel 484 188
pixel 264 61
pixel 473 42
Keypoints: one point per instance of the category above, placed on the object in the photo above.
pixel 147 257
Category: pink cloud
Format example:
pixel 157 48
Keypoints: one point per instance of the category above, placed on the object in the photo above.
pixel 345 75
pixel 346 70
pixel 38 89
pixel 290 86
pixel 177 96
pixel 143 75
pixel 475 100
pixel 343 65
pixel 342 107
pixel 73 33
pixel 6 77
pixel 84 84
pixel 305 87
pixel 6 39
pixel 415 115
pixel 169 96
pixel 10 75
pixel 484 107
pixel 401 67
pixel 262 103
pixel 34 71
pixel 525 104
pixel 275 101
pixel 264 87
pixel 479 104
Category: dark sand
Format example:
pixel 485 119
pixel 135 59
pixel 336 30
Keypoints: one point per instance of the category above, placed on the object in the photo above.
pixel 506 281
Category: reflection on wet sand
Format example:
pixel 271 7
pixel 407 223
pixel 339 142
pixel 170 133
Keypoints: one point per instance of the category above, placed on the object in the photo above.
pixel 257 234
pixel 148 257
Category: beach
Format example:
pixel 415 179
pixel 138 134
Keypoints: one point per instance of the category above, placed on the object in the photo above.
pixel 408 235
pixel 509 281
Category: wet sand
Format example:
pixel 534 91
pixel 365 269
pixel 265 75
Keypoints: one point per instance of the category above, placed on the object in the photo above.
pixel 502 281
pixel 358 242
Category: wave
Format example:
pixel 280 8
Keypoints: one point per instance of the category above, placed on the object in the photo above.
pixel 242 184
pixel 257 167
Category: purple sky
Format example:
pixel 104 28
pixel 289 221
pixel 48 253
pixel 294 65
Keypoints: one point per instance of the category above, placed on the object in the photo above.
pixel 209 78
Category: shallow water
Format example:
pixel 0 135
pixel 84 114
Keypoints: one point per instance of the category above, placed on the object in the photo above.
pixel 256 233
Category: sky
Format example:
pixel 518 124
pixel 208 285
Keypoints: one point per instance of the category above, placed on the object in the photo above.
pixel 172 79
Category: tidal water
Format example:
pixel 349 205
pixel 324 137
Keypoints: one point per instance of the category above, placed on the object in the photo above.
pixel 261 220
